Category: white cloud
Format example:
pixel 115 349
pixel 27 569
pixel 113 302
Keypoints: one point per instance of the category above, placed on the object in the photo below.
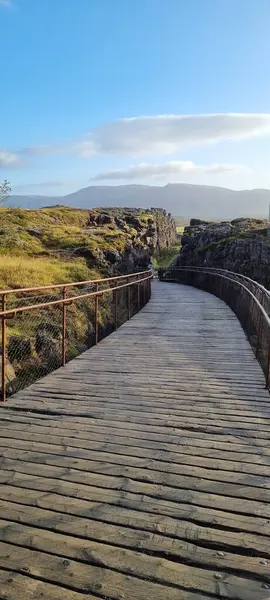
pixel 156 135
pixel 167 134
pixel 9 160
pixel 170 171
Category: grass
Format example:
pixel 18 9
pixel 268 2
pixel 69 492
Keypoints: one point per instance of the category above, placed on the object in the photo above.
pixel 180 229
pixel 18 272
pixel 45 232
pixel 165 257
pixel 61 244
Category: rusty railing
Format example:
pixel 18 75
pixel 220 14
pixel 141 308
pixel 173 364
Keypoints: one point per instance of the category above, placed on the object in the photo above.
pixel 44 327
pixel 249 300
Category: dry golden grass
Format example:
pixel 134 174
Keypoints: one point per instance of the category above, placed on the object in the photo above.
pixel 19 272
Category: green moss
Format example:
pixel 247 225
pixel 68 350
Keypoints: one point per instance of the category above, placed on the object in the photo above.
pixel 225 241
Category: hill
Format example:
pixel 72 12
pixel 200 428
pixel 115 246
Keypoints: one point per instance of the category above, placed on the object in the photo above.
pixel 180 199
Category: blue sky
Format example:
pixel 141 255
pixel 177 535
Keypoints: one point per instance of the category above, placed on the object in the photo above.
pixel 134 91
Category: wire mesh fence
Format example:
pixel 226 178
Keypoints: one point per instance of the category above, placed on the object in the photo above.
pixel 249 300
pixel 44 329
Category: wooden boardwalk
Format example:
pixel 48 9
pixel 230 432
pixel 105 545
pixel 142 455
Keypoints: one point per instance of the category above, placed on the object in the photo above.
pixel 141 471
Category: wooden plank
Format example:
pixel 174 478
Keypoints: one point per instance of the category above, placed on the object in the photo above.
pixel 108 505
pixel 126 561
pixel 84 577
pixel 202 547
pixel 126 452
pixel 111 503
pixel 96 487
pixel 116 477
pixel 146 468
pixel 14 586
pixel 176 435
pixel 111 441
pixel 236 427
pixel 186 414
pixel 142 469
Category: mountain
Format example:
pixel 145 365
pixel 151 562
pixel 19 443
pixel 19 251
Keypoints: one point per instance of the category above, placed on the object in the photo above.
pixel 180 199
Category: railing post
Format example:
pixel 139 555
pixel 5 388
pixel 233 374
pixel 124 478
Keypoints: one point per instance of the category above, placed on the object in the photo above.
pixel 138 296
pixel 259 336
pixel 128 299
pixel 4 351
pixel 115 307
pixel 64 327
pixel 267 377
pixel 96 315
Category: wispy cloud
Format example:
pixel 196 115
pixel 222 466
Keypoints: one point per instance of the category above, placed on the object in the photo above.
pixel 5 2
pixel 155 135
pixel 171 170
pixel 167 134
pixel 10 160
pixel 40 185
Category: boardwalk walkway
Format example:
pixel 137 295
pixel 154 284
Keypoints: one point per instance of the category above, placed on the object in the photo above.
pixel 141 471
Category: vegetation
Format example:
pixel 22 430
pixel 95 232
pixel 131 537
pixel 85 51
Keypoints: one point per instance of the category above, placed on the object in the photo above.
pixel 180 229
pixel 60 244
pixel 5 190
pixel 165 257
pixel 181 221
pixel 18 272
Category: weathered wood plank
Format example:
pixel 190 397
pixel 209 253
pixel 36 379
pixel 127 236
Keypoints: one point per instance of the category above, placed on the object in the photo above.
pixel 95 487
pixel 129 454
pixel 14 586
pixel 139 469
pixel 108 506
pixel 202 548
pixel 142 469
pixel 126 561
pixel 86 578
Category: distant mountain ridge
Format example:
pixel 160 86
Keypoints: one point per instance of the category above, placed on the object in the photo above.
pixel 180 199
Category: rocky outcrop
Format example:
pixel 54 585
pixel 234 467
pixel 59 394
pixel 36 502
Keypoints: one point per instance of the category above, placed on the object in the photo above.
pixel 144 233
pixel 108 241
pixel 241 245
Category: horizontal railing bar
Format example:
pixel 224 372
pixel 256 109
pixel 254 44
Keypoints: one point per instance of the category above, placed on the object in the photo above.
pixel 15 311
pixel 212 279
pixel 218 270
pixel 69 285
pixel 206 271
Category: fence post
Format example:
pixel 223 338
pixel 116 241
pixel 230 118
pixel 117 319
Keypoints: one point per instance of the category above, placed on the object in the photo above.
pixel 115 307
pixel 138 296
pixel 96 316
pixel 259 336
pixel 128 299
pixel 268 369
pixel 64 327
pixel 4 351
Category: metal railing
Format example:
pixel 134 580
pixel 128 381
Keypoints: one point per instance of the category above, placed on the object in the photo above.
pixel 249 300
pixel 45 327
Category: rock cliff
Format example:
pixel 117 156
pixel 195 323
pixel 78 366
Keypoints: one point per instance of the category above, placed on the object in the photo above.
pixel 59 244
pixel 143 234
pixel 241 245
